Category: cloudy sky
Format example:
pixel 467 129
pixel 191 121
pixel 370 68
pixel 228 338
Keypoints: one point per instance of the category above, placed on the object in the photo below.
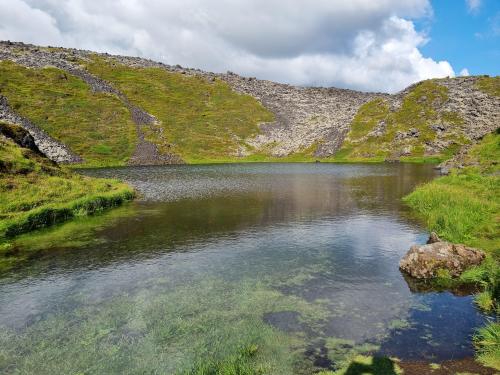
pixel 375 45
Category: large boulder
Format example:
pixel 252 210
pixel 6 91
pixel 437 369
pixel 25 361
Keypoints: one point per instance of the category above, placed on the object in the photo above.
pixel 424 261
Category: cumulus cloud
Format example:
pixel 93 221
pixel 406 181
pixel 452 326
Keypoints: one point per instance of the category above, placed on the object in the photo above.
pixel 464 72
pixel 473 5
pixel 359 44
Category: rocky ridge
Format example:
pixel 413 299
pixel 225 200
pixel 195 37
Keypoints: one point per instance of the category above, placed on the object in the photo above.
pixel 315 119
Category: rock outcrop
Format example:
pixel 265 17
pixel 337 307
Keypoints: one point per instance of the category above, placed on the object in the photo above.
pixel 424 261
pixel 53 149
pixel 20 136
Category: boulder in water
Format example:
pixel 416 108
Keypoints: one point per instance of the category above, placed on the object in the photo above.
pixel 424 261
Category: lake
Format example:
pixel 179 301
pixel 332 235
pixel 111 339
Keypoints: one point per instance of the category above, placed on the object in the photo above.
pixel 298 260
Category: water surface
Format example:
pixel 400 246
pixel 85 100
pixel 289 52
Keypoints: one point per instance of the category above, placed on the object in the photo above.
pixel 298 259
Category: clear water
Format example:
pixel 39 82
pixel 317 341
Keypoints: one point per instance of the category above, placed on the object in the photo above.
pixel 298 259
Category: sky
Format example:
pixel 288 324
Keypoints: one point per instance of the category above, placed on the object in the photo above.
pixel 369 45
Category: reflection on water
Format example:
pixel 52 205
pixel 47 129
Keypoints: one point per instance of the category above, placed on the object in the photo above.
pixel 300 259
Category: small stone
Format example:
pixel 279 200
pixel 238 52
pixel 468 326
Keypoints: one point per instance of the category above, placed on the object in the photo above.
pixel 433 238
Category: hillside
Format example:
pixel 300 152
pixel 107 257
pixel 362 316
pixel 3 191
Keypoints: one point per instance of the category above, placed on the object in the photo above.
pixel 101 110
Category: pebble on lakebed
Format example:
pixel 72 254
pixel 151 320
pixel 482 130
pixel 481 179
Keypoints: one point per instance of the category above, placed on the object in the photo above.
pixel 423 261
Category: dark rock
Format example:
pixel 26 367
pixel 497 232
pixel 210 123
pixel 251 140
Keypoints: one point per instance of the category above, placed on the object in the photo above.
pixel 433 238
pixel 20 136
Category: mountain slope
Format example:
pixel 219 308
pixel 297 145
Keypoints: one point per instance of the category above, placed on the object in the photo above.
pixel 115 110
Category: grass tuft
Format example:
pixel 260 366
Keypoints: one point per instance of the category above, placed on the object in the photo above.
pixel 487 343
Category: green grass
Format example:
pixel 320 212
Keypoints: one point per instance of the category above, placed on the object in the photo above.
pixel 36 193
pixel 96 126
pixel 489 85
pixel 461 208
pixel 487 343
pixel 464 207
pixel 420 109
pixel 203 121
pixel 485 301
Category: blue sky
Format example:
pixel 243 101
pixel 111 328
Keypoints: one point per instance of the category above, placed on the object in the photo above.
pixel 466 38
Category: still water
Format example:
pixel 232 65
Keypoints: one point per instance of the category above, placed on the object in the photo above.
pixel 300 260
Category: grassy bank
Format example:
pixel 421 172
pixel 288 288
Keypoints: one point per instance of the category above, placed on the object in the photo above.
pixel 37 193
pixel 464 207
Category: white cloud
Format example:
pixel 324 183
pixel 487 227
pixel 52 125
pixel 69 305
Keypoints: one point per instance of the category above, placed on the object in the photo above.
pixel 464 72
pixel 359 44
pixel 473 5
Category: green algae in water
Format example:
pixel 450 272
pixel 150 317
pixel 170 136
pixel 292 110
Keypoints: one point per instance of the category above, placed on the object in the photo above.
pixel 146 332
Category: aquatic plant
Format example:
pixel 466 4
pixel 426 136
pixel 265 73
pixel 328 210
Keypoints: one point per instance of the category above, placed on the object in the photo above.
pixel 368 365
pixel 239 364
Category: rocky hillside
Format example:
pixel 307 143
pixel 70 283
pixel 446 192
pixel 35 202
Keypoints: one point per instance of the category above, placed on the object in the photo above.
pixel 98 109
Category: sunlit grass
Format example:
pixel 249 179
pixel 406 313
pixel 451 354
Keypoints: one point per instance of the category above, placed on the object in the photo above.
pixel 36 193
pixel 490 85
pixel 202 121
pixel 461 208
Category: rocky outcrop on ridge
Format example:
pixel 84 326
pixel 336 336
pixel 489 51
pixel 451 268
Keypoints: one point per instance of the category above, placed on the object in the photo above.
pixel 53 149
pixel 304 116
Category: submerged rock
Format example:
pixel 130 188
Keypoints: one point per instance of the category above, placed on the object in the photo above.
pixel 424 261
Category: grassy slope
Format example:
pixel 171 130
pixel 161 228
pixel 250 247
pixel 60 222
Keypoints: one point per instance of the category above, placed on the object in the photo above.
pixel 465 207
pixel 419 110
pixel 96 126
pixel 203 121
pixel 36 193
